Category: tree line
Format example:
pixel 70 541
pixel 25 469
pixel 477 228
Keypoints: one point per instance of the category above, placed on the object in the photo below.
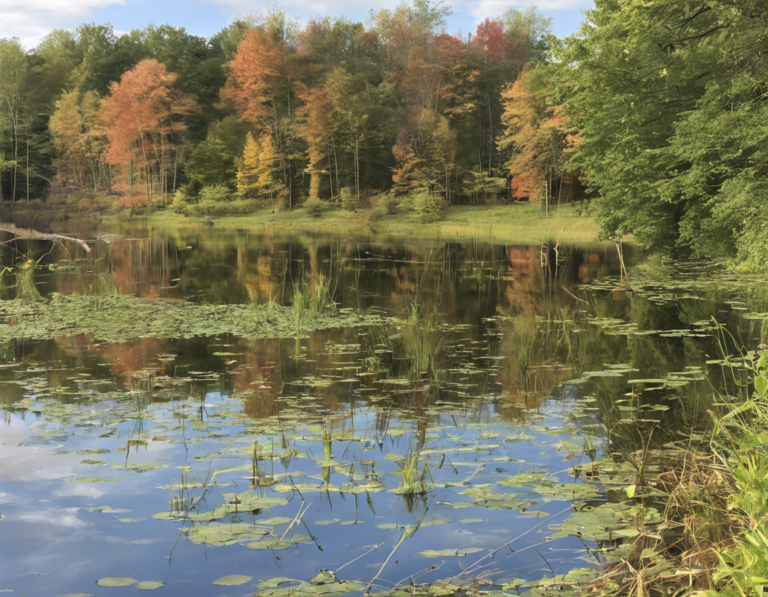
pixel 655 110
pixel 265 108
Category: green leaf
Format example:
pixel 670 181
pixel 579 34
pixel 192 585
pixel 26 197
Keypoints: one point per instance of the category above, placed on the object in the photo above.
pixel 233 580
pixel 115 582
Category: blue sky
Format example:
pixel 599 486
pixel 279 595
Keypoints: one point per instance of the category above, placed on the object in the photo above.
pixel 30 20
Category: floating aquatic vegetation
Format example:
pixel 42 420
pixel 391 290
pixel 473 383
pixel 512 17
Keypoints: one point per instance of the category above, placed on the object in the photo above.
pixel 325 584
pixel 150 585
pixel 116 582
pixel 233 580
pixel 279 543
pixel 256 433
pixel 126 317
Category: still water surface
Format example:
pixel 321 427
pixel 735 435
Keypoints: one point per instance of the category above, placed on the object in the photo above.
pixel 428 442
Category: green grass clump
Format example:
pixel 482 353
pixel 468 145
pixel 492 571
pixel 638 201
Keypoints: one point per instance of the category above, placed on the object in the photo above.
pixel 26 289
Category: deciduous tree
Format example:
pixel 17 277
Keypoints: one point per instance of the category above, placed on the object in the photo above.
pixel 144 118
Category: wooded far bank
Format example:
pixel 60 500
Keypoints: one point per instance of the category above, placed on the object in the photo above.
pixel 652 112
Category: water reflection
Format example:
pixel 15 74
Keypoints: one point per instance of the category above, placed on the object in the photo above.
pixel 467 422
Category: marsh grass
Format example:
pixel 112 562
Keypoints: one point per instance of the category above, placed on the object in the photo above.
pixel 423 336
pixel 100 288
pixel 713 538
pixel 524 334
pixel 502 223
pixel 26 289
pixel 415 484
pixel 320 297
pixel 310 302
pixel 678 555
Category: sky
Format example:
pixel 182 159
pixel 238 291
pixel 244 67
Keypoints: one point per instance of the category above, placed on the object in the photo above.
pixel 31 20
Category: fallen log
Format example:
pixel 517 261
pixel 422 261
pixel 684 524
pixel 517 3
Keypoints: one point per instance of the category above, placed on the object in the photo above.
pixel 29 233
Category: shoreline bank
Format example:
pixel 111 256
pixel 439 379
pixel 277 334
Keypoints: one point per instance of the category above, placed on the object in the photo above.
pixel 514 224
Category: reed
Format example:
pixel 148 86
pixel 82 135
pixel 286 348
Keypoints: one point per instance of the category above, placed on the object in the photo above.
pixel 26 289
pixel 310 303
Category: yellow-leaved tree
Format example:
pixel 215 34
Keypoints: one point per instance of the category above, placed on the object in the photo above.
pixel 248 168
pixel 269 165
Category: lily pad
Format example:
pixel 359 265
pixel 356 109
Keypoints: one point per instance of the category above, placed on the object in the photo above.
pixel 115 582
pixel 150 585
pixel 232 580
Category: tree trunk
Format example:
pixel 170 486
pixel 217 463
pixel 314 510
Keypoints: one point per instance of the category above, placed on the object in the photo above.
pixel 28 233
pixel 357 166
pixel 15 119
pixel 27 144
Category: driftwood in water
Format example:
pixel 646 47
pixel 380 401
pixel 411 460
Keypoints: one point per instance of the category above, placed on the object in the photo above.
pixel 28 233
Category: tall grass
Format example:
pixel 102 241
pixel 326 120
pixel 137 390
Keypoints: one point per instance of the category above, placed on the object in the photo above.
pixel 715 524
pixel 414 484
pixel 524 334
pixel 310 303
pixel 741 441
pixel 320 297
pixel 26 289
pixel 100 288
pixel 423 337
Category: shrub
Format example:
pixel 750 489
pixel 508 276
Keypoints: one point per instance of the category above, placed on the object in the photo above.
pixel 315 208
pixel 222 208
pixel 86 205
pixel 349 200
pixel 132 202
pixel 426 205
pixel 376 214
pixel 218 193
pixel 389 203
pixel 182 202
pixel 283 200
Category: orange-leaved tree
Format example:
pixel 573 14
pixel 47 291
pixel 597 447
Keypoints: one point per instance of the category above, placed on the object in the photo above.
pixel 317 131
pixel 144 119
pixel 536 136
pixel 260 83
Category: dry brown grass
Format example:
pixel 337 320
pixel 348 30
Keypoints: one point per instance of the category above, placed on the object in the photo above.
pixel 697 525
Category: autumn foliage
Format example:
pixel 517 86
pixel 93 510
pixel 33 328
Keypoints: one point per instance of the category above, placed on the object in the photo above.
pixel 143 117
pixel 268 109
pixel 536 134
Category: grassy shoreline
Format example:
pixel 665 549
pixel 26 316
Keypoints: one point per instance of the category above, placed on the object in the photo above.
pixel 515 224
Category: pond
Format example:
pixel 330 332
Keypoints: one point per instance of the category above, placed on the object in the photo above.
pixel 455 414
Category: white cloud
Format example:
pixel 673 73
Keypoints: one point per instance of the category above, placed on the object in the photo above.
pixel 30 20
pixel 18 461
pixel 61 7
pixel 490 8
pixel 78 490
pixel 478 8
pixel 63 517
